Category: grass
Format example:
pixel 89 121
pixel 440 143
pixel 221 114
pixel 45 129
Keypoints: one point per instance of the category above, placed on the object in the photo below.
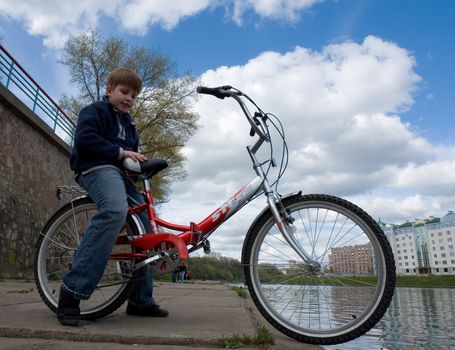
pixel 242 293
pixel 22 291
pixel 329 280
pixel 430 281
pixel 263 337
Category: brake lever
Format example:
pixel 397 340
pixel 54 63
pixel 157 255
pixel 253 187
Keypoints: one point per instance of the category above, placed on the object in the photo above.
pixel 256 121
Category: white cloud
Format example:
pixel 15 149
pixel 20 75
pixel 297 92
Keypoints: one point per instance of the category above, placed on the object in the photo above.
pixel 137 15
pixel 284 10
pixel 55 20
pixel 434 178
pixel 396 209
pixel 341 108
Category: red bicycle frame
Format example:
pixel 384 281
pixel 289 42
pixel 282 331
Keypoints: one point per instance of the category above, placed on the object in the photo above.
pixel 192 234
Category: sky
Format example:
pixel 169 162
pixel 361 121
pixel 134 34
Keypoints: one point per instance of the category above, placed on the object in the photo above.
pixel 364 89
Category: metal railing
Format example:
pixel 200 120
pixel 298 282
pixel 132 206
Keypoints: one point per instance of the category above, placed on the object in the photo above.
pixel 21 84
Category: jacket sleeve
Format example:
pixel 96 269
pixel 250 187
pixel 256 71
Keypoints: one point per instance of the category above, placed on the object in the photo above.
pixel 89 134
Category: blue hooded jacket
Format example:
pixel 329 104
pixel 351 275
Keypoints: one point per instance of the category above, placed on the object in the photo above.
pixel 101 134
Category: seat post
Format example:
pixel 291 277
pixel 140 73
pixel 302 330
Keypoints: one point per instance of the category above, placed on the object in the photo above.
pixel 147 186
pixel 150 209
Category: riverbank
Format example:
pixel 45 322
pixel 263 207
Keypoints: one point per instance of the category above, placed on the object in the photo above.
pixel 430 281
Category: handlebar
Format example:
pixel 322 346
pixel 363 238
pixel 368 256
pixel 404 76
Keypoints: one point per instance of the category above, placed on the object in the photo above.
pixel 220 91
pixel 257 124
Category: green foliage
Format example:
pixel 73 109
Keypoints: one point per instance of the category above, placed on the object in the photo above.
pixel 263 337
pixel 163 112
pixel 233 342
pixel 269 273
pixel 215 268
pixel 240 292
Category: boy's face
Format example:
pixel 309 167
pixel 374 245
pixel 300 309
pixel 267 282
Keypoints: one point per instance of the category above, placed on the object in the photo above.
pixel 122 97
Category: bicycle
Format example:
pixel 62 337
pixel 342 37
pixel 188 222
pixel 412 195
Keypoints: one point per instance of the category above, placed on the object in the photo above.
pixel 298 254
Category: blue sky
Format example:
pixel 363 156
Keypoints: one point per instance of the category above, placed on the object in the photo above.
pixel 371 84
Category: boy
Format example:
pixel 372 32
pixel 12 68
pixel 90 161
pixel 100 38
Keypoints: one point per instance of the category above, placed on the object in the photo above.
pixel 105 135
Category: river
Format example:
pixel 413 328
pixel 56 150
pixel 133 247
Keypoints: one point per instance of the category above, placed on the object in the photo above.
pixel 418 318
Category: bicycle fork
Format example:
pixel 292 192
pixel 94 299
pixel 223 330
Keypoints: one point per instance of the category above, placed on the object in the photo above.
pixel 285 224
pixel 283 220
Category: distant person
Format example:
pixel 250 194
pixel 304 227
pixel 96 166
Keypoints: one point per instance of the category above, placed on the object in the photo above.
pixel 175 274
pixel 105 135
pixel 188 275
pixel 182 272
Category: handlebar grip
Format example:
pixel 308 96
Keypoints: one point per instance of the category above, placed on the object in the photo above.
pixel 220 91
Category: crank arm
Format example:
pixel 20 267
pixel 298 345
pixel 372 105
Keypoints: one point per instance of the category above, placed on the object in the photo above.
pixel 157 257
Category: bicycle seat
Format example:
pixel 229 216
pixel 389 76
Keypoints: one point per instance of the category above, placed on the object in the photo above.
pixel 148 168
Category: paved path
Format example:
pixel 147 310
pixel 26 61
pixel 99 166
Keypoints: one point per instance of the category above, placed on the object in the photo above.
pixel 201 314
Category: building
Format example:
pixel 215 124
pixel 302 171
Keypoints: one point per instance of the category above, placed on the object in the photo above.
pixel 356 259
pixel 423 246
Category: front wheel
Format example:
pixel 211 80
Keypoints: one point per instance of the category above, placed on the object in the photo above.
pixel 345 289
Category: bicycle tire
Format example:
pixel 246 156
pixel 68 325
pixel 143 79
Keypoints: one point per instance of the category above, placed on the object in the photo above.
pixel 54 252
pixel 324 305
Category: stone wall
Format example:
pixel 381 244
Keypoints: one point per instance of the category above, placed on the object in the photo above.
pixel 33 162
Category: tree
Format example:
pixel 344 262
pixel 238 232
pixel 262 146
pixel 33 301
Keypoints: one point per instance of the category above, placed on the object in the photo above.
pixel 215 267
pixel 162 113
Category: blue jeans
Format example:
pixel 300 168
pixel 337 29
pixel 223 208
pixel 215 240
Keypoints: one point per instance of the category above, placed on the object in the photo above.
pixel 112 191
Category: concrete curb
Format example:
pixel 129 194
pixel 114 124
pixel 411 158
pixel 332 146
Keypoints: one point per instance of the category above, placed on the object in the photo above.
pixel 25 333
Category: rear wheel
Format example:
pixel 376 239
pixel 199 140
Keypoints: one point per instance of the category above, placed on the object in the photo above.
pixel 55 251
pixel 346 290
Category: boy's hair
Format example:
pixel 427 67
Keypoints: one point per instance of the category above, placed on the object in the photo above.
pixel 124 76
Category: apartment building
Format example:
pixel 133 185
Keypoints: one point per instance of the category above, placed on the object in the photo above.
pixel 356 259
pixel 423 246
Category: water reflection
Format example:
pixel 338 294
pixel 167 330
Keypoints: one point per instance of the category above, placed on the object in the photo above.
pixel 418 318
pixel 318 307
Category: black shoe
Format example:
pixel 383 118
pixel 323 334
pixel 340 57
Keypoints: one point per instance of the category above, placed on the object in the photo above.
pixel 152 310
pixel 68 309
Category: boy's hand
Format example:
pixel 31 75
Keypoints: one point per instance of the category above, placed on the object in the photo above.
pixel 134 155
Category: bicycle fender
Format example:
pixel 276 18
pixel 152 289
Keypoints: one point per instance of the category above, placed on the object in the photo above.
pixel 262 213
pixel 61 210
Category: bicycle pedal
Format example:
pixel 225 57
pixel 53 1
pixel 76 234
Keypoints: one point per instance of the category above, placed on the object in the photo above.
pixel 125 268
